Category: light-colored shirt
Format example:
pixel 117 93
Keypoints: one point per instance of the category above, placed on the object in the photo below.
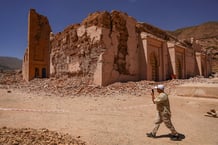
pixel 162 103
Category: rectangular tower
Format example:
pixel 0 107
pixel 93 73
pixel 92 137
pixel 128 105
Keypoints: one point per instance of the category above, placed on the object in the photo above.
pixel 37 56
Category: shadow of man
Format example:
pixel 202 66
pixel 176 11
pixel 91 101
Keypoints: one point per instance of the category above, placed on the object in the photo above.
pixel 180 138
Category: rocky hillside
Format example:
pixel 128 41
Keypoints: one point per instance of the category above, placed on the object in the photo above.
pixel 207 36
pixel 10 63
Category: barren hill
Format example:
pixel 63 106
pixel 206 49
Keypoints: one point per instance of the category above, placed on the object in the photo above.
pixel 10 63
pixel 207 36
pixel 202 31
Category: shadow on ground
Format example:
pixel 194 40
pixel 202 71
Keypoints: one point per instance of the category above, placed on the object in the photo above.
pixel 180 138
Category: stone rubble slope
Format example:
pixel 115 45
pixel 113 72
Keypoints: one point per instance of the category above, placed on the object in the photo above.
pixel 80 86
pixel 29 136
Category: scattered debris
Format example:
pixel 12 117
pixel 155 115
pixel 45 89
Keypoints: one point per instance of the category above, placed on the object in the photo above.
pixel 80 86
pixel 35 137
pixel 212 113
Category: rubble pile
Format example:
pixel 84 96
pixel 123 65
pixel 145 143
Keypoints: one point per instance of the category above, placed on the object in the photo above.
pixel 12 136
pixel 80 86
pixel 12 78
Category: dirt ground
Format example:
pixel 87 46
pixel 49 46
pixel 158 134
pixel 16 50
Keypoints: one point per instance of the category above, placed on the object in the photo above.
pixel 110 120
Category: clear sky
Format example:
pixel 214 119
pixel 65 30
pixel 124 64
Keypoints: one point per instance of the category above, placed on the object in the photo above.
pixel 165 14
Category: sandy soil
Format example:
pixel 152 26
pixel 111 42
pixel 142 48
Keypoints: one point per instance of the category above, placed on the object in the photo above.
pixel 110 120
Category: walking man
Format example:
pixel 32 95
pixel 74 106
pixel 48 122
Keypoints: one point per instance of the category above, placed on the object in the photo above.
pixel 163 113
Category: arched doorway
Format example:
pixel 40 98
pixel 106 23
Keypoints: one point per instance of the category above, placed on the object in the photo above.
pixel 154 67
pixel 178 69
pixel 36 72
pixel 203 70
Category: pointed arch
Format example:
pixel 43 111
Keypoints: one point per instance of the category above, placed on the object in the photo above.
pixel 178 68
pixel 154 67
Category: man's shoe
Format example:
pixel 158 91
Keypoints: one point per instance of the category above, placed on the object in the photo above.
pixel 151 135
pixel 175 137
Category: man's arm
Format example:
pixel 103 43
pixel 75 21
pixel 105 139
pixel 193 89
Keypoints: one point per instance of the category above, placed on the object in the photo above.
pixel 160 98
pixel 152 94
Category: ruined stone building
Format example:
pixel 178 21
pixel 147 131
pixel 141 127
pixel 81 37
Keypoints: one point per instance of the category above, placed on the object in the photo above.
pixel 37 56
pixel 110 47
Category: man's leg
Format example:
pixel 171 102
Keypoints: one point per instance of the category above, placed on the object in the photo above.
pixel 157 122
pixel 167 121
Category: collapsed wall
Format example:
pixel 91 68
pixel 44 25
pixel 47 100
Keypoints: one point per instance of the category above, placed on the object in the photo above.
pixel 75 51
pixel 104 47
pixel 108 47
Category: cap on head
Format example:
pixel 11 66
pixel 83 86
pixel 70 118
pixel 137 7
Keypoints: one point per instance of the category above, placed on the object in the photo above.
pixel 161 87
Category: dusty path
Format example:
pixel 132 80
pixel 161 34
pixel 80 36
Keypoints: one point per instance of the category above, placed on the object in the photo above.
pixel 111 120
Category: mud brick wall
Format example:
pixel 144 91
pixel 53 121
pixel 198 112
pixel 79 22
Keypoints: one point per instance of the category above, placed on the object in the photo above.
pixel 36 58
pixel 102 39
pixel 75 52
pixel 120 60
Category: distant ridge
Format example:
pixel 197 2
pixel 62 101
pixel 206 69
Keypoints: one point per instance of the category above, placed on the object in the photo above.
pixel 206 33
pixel 10 63
pixel 207 36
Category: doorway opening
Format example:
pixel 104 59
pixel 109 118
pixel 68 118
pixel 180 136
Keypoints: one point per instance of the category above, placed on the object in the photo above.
pixel 36 72
pixel 178 69
pixel 44 73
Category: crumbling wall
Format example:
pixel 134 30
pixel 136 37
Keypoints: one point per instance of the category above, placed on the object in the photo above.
pixel 100 47
pixel 120 60
pixel 36 57
pixel 106 47
pixel 75 51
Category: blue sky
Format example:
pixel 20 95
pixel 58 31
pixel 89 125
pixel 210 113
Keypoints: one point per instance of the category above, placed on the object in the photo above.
pixel 165 14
